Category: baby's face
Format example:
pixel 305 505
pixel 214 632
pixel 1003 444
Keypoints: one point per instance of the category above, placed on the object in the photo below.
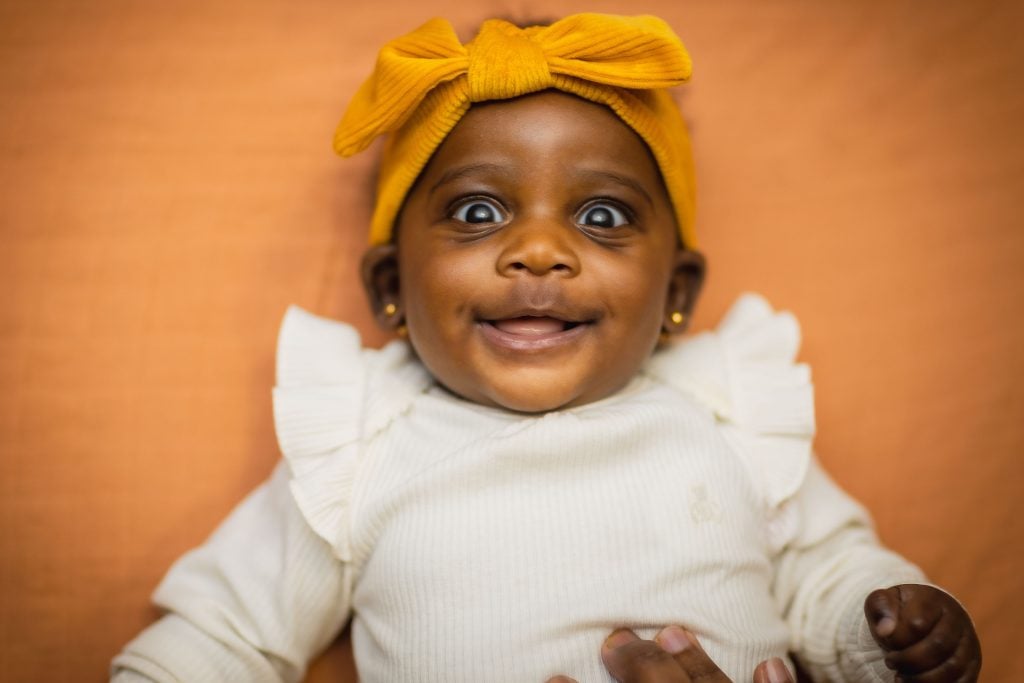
pixel 536 255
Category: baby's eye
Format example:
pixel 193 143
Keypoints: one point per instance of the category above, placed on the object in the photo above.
pixel 479 211
pixel 603 215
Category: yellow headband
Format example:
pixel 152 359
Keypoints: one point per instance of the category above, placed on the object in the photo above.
pixel 426 81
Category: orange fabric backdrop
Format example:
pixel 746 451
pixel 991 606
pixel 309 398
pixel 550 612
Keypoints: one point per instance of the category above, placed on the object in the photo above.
pixel 167 188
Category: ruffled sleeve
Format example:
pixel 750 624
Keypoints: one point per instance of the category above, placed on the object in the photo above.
pixel 745 373
pixel 332 396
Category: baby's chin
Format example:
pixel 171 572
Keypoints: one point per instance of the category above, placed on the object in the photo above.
pixel 531 398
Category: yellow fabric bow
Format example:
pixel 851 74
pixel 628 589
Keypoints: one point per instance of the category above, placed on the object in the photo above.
pixel 425 81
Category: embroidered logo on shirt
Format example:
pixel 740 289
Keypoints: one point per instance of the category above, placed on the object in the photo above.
pixel 702 508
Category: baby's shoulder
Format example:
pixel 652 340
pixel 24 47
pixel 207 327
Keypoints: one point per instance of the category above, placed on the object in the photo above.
pixel 332 395
pixel 746 374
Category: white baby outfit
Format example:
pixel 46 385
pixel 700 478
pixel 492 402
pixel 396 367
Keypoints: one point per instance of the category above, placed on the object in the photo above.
pixel 473 544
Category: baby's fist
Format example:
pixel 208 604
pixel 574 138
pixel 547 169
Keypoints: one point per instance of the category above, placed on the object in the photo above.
pixel 926 634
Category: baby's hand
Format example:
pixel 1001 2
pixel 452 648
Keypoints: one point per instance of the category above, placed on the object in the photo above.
pixel 927 635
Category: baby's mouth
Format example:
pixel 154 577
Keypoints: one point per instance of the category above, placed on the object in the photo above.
pixel 533 333
pixel 532 326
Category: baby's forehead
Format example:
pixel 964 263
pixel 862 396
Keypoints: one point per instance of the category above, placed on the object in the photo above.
pixel 547 103
pixel 547 128
pixel 547 117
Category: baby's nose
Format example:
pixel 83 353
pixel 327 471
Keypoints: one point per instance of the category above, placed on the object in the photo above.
pixel 539 247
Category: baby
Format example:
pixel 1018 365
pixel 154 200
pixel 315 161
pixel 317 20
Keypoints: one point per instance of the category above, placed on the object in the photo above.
pixel 541 459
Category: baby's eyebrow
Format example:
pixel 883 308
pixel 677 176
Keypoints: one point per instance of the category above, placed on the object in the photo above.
pixel 627 181
pixel 467 170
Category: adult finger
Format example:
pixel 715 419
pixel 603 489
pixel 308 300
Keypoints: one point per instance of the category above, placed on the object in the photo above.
pixel 689 655
pixel 772 671
pixel 692 658
pixel 632 660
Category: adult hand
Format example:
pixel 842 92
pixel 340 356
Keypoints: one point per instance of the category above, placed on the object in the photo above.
pixel 674 656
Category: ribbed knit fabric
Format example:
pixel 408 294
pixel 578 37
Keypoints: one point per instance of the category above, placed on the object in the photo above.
pixel 424 82
pixel 473 544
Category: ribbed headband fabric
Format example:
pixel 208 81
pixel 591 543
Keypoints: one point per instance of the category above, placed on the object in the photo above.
pixel 424 82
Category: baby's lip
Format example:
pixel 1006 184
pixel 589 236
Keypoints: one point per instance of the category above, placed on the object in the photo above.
pixel 562 313
pixel 553 309
pixel 532 334
pixel 532 325
pixel 534 329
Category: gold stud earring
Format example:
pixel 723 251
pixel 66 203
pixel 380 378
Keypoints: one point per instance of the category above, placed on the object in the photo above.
pixel 677 318
pixel 390 309
pixel 402 331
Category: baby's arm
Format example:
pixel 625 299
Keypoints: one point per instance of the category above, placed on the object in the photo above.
pixel 255 603
pixel 927 634
pixel 827 569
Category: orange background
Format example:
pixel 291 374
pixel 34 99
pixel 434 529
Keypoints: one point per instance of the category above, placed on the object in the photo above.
pixel 167 188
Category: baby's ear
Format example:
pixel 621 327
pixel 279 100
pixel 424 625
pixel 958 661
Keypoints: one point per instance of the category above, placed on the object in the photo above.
pixel 379 271
pixel 683 289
